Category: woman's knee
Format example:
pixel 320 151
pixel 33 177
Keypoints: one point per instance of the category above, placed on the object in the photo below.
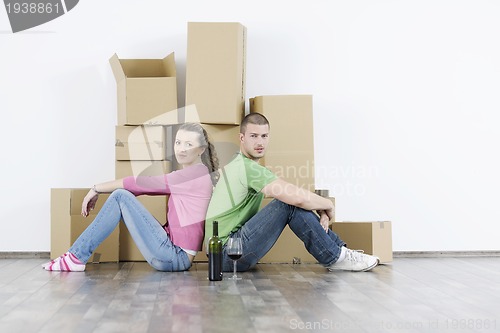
pixel 121 195
pixel 120 192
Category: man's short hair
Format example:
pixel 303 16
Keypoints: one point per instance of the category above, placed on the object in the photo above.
pixel 253 118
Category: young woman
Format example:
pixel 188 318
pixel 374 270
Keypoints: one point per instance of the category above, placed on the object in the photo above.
pixel 169 248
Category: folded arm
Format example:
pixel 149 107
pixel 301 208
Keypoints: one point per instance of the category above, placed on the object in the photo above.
pixel 302 198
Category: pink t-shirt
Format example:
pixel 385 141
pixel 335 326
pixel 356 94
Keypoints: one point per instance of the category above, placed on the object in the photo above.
pixel 190 190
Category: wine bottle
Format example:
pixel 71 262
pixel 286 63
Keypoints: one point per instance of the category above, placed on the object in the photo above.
pixel 215 255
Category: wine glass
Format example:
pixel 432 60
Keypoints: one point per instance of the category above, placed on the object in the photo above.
pixel 234 251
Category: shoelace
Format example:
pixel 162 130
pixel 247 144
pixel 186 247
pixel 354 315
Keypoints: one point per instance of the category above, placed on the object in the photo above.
pixel 355 255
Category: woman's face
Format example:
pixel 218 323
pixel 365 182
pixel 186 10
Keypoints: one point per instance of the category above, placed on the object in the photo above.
pixel 187 148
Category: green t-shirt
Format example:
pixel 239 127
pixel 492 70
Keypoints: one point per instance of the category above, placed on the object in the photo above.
pixel 237 195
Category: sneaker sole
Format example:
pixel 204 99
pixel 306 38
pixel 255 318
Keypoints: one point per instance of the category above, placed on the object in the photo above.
pixel 371 267
pixel 353 270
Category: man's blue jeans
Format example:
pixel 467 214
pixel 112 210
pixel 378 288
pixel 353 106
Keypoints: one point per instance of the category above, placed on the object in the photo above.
pixel 149 236
pixel 261 232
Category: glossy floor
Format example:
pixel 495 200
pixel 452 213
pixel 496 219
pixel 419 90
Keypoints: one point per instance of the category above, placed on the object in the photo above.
pixel 409 295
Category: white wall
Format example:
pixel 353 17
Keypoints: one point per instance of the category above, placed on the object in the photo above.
pixel 406 104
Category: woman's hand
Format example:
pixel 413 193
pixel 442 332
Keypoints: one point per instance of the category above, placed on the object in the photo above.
pixel 89 202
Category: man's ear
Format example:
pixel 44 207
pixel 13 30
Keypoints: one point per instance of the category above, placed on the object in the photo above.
pixel 241 137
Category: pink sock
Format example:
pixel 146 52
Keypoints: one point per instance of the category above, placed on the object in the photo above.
pixel 67 262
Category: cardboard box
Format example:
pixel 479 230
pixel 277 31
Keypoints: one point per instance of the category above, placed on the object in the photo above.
pixel 141 168
pixel 170 132
pixel 372 237
pixel 140 143
pixel 290 153
pixel 288 248
pixel 201 256
pixel 225 139
pixel 157 206
pixel 186 114
pixel 215 71
pixel 146 88
pixel 67 224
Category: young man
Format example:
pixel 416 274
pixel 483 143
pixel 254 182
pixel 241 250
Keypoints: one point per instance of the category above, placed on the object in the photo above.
pixel 237 198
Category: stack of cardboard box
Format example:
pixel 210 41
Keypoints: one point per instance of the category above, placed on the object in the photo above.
pixel 215 84
pixel 146 101
pixel 215 81
pixel 148 118
pixel 290 155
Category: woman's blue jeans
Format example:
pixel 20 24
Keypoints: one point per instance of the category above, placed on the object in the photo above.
pixel 261 232
pixel 149 236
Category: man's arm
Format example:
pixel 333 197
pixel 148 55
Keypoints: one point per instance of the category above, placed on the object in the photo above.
pixel 296 196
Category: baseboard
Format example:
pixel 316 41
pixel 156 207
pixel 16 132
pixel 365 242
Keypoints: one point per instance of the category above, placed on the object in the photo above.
pixel 24 255
pixel 444 254
pixel 396 254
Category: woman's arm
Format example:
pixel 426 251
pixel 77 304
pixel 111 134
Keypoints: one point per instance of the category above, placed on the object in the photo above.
pixel 91 198
pixel 108 187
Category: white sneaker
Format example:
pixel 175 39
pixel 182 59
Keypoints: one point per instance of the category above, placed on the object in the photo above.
pixel 356 261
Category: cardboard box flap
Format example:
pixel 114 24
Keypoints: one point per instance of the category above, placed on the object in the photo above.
pixel 168 66
pixel 149 68
pixel 116 67
pixel 143 68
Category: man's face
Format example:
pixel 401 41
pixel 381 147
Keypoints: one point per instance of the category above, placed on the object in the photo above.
pixel 254 141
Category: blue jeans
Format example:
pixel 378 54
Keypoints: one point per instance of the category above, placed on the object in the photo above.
pixel 261 232
pixel 149 236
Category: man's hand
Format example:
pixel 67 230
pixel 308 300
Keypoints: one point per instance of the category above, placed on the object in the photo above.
pixel 330 213
pixel 324 219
